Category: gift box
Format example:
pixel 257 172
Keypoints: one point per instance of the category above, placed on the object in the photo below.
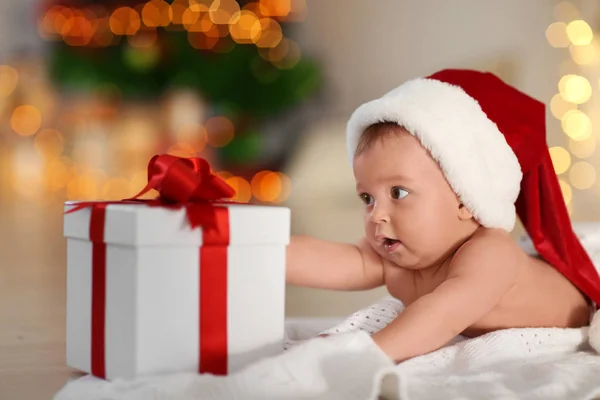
pixel 158 288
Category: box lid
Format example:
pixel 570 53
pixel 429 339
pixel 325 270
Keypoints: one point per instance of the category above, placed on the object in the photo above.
pixel 140 225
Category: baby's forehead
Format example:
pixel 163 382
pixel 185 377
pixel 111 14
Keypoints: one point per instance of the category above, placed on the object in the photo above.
pixel 397 153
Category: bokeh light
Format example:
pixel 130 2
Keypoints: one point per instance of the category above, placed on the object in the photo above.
pixel 125 21
pixel 157 13
pixel 585 55
pixel 9 78
pixel 559 106
pixel 582 175
pixel 220 131
pixel 583 148
pixel 49 143
pixel 241 187
pixel 193 135
pixel 575 88
pixel 271 187
pixel 577 125
pixel 245 27
pixel 182 150
pixel 276 8
pixel 196 18
pixel 579 32
pixel 222 11
pixel 556 34
pixel 26 120
pixel 561 159
pixel 271 33
pixel 116 188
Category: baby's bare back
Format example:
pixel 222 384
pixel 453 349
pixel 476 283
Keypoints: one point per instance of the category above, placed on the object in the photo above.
pixel 539 297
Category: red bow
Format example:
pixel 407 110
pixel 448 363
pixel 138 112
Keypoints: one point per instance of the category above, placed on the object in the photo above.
pixel 183 180
pixel 179 182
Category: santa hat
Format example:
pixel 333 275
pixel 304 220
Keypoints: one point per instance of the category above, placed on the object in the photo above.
pixel 490 142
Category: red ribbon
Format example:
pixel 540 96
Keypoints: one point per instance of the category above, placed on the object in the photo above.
pixel 188 183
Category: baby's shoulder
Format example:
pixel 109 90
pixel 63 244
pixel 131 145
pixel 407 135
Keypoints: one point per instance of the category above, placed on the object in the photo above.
pixel 488 250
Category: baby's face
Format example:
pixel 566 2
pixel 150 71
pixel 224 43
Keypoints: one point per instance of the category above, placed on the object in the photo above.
pixel 411 213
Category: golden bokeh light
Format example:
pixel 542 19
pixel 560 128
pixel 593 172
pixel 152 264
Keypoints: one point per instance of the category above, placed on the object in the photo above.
pixel 582 175
pixel 575 88
pixel 579 32
pixel 242 189
pixel 583 148
pixel 271 187
pixel 49 143
pixel 561 159
pixel 222 11
pixel 556 34
pixel 9 77
pixel 286 188
pixel 86 185
pixel 577 125
pixel 125 21
pixel 585 55
pixel 47 23
pixel 178 8
pixel 157 13
pixel 255 185
pixel 276 8
pixel 257 8
pixel 559 106
pixel 566 190
pixel 271 33
pixel 26 120
pixel 116 188
pixel 220 131
pixel 27 178
pixel 78 30
pixel 193 135
pixel 196 18
pixel 58 173
pixel 245 27
pixel 182 150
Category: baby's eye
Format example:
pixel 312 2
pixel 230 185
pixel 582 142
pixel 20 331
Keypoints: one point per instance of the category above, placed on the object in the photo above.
pixel 398 193
pixel 366 198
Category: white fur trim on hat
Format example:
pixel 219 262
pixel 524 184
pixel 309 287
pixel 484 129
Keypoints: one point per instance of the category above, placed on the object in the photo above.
pixel 473 154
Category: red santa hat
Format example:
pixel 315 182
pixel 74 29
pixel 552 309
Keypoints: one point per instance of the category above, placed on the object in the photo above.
pixel 490 141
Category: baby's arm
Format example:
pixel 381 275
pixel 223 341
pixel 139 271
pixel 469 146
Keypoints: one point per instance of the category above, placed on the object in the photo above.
pixel 481 273
pixel 326 265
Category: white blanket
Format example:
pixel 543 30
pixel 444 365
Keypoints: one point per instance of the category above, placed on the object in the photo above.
pixel 528 364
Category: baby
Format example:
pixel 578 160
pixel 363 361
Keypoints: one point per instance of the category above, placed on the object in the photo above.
pixel 439 163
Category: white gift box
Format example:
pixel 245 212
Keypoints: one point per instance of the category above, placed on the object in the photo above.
pixel 152 316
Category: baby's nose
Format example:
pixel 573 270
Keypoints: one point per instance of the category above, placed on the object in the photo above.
pixel 379 215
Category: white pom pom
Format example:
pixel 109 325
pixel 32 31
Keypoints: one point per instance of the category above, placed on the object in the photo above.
pixel 594 332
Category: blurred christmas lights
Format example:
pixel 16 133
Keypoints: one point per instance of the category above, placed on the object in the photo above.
pixel 572 32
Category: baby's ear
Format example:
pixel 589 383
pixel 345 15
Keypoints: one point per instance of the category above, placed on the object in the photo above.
pixel 464 213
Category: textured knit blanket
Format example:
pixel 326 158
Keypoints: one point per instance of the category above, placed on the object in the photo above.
pixel 540 364
pixel 526 364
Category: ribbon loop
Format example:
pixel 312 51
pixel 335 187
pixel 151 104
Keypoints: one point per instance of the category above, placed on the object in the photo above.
pixel 182 180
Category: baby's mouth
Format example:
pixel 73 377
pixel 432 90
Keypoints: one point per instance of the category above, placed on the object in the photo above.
pixel 390 245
